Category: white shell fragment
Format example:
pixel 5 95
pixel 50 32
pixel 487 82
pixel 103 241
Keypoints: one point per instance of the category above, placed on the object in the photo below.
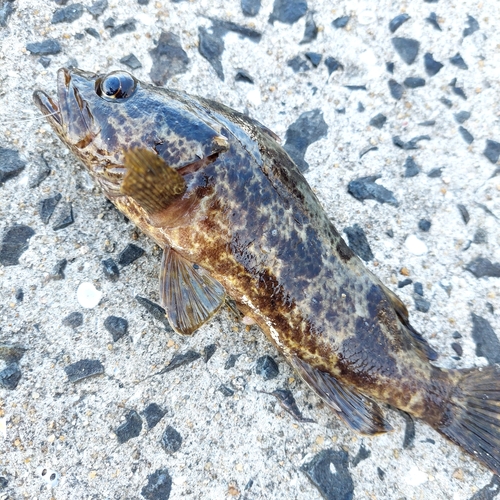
pixel 415 246
pixel 87 295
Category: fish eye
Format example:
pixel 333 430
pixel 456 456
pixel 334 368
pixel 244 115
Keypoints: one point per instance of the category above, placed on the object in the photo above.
pixel 116 86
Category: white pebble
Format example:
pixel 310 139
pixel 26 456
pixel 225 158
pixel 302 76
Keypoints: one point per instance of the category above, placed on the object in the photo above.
pixel 87 295
pixel 416 477
pixel 415 246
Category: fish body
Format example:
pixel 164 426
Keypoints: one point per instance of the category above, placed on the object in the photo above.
pixel 236 218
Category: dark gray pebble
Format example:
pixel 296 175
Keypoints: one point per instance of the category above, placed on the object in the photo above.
pixel 435 173
pixel 180 360
pixel 45 62
pixel 405 282
pixel 83 369
pixel 243 76
pixel 57 273
pixel 398 21
pixel 487 343
pixel 341 22
pixel 158 487
pixel 74 320
pixel 310 30
pixel 390 233
pixel 380 474
pixel 19 295
pixel 127 27
pixel 46 48
pixel 358 242
pixel 93 32
pixel 68 14
pixel 110 269
pixel 396 89
pixel 288 11
pixel 457 60
pixel 129 254
pixel 472 28
pixel 462 116
pixel 226 391
pixel 329 472
pixel 211 47
pixel 223 27
pixel 355 87
pixel 492 150
pixel 390 67
pixel 432 67
pixel 457 90
pixel 117 326
pixel 411 144
pixel 47 207
pixel 309 127
pixel 171 440
pixel 340 111
pixel 407 48
pixel 466 135
pixel 3 480
pixel 153 413
pixel 413 82
pixel 6 9
pixel 367 149
pixel 314 57
pixel 424 225
pixel 431 1
pixel 98 8
pixel 208 352
pixel 480 236
pixel 378 121
pixel 155 310
pixel 231 361
pixel 298 64
pixel 433 21
pixel 143 2
pixel 446 102
pixel 79 36
pixel 250 7
pixel 421 304
pixel 481 267
pixel 267 367
pixel 42 173
pixel 464 213
pixel 169 58
pixel 332 64
pixel 409 437
pixel 10 376
pixel 14 244
pixel 363 454
pixel 365 188
pixel 411 167
pixel 457 348
pixel 109 23
pixel 11 165
pixel 361 107
pixel 427 123
pixel 65 218
pixel 131 428
pixel 418 288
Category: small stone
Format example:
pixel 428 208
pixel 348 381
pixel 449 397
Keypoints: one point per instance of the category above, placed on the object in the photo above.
pixel 480 236
pixel 42 173
pixel 45 48
pixel 341 22
pixel 66 217
pixel 74 320
pixel 10 376
pixel 143 2
pixel 79 36
pixel 409 437
pixel 407 48
pixel 415 245
pixel 14 243
pixel 361 107
pixel 457 90
pixel 288 11
pixel 243 76
pixel 109 23
pixel 396 89
pixel 110 268
pixel 57 273
pixel 380 473
pixel 332 64
pixel 169 58
pixel 466 135
pixel 211 47
pixel 472 28
pixel 435 173
pixel 411 144
pixel 83 369
pixel 464 213
pixel 481 267
pixel 457 348
pixel 158 487
pixel 492 151
pixel 68 14
pixel 456 335
pixel 487 343
pixel 266 367
pixel 413 82
pixel 310 30
pixel 45 62
pixel 129 254
pixel 98 8
pixel 93 32
pixel 446 102
pixel 153 414
pixel 398 21
pixel 19 295
pixel 405 282
pixel 418 288
pixel 3 480
pixel 180 360
pixel 171 440
pixel 87 295
pixel 411 168
pixel 427 123
pixel 298 64
pixel 231 361
pixel 250 7
pixel 458 61
pixel 47 207
pixel 358 242
pixel 155 310
pixel 329 472
pixel 462 116
pixel 6 9
pixel 208 352
pixel 421 304
pixel 131 428
pixel 390 67
pixel 367 149
pixel 432 67
pixel 365 188
pixel 433 21
pixel 355 87
pixel 226 391
pixel 424 225
pixel 363 454
pixel 117 326
pixel 127 27
pixel 378 121
pixel 11 165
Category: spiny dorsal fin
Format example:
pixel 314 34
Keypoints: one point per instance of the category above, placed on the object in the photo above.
pixel 150 181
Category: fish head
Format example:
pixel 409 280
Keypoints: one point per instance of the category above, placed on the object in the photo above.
pixel 102 116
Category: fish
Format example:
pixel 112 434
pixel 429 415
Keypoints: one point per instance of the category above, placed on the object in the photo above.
pixel 237 220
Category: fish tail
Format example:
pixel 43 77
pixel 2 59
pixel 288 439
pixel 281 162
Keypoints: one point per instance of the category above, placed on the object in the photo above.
pixel 471 417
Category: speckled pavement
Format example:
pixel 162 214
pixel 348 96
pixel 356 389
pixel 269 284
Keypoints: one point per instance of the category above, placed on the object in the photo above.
pixel 214 430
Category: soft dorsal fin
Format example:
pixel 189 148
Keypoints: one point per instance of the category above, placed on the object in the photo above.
pixel 358 411
pixel 188 293
pixel 150 181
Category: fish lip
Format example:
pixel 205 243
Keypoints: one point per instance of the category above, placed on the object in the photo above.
pixel 49 107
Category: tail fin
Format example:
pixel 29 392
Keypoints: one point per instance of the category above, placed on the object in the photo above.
pixel 472 416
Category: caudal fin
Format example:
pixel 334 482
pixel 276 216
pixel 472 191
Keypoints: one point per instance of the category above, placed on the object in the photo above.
pixel 472 416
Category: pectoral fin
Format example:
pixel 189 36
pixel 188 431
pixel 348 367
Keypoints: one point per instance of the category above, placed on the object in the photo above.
pixel 358 411
pixel 188 293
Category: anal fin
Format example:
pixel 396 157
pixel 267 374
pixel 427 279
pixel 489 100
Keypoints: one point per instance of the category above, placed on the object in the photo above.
pixel 188 293
pixel 359 412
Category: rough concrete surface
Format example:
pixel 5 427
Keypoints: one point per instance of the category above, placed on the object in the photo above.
pixel 58 439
